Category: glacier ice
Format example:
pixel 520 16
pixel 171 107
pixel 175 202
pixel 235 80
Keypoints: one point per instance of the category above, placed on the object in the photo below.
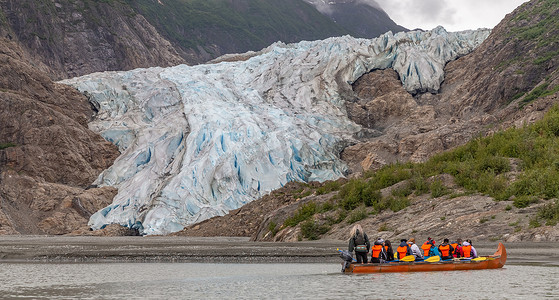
pixel 198 141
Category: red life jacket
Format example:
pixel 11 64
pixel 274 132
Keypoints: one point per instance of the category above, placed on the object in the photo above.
pixel 377 249
pixel 467 251
pixel 457 250
pixel 426 248
pixel 445 250
pixel 402 251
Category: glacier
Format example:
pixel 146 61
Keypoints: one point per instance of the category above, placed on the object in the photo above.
pixel 199 141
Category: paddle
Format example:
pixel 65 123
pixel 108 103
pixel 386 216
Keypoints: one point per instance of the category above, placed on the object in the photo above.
pixel 408 258
pixel 433 259
pixel 479 259
pixel 343 251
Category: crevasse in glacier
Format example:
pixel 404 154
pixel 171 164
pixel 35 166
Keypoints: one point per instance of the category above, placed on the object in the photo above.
pixel 198 141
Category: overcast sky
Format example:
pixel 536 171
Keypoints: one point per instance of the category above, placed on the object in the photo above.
pixel 454 15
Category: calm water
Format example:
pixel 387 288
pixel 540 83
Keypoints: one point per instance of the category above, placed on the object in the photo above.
pixel 266 281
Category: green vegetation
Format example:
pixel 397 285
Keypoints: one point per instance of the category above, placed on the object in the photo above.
pixel 273 228
pixel 538 92
pixel 481 166
pixel 384 227
pixel 438 189
pixel 357 215
pixel 327 206
pixel 305 212
pixel 312 230
pixel 545 14
pixel 534 223
pixel 514 224
pixel 534 36
pixel 524 201
pixel 247 25
pixel 550 212
pixel 3 20
pixel 6 145
pixel 329 187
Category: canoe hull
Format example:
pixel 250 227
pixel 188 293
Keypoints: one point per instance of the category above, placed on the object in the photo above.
pixel 494 261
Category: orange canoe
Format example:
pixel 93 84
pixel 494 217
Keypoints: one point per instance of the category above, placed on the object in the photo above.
pixel 494 261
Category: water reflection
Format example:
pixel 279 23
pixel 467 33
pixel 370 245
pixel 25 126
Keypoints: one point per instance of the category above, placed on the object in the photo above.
pixel 275 281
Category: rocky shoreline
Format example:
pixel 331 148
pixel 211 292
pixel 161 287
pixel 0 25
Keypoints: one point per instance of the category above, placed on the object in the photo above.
pixel 80 249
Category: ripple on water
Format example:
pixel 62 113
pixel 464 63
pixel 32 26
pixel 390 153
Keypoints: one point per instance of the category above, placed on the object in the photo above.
pixel 275 281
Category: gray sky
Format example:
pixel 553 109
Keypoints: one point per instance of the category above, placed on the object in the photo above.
pixel 454 15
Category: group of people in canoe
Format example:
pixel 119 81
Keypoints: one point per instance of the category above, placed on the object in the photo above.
pixel 382 251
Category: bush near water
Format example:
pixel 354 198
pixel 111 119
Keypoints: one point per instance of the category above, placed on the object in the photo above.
pixel 484 166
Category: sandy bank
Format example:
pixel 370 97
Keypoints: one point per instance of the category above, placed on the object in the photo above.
pixel 215 249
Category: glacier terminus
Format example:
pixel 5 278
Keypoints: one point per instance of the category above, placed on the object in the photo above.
pixel 198 141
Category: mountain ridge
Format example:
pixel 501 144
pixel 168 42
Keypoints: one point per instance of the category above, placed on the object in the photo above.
pixel 72 38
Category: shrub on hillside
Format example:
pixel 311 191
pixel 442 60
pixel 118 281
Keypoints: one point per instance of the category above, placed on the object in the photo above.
pixel 357 215
pixel 311 230
pixel 305 212
pixel 524 201
pixel 550 212
pixel 328 187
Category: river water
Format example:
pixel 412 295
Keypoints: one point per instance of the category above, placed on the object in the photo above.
pixel 266 281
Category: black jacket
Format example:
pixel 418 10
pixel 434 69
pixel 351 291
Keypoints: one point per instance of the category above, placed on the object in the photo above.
pixel 353 243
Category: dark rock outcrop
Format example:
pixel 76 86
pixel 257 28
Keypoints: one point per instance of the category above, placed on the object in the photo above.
pixel 48 156
pixel 73 38
pixel 487 90
pixel 365 19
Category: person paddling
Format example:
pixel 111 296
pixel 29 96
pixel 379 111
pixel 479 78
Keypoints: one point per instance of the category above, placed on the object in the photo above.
pixel 468 251
pixel 458 248
pixel 378 253
pixel 415 249
pixel 403 250
pixel 359 241
pixel 446 250
pixel 429 248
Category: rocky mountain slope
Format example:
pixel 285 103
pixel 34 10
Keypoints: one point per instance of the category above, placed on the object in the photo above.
pixel 48 156
pixel 510 80
pixel 363 18
pixel 207 29
pixel 72 38
pixel 486 89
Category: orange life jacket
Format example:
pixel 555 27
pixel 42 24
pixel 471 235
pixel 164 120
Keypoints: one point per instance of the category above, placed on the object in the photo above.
pixel 377 249
pixel 467 251
pixel 402 251
pixel 445 250
pixel 426 248
pixel 455 247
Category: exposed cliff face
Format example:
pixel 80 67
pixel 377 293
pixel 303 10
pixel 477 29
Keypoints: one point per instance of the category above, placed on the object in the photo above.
pixel 487 89
pixel 207 29
pixel 364 19
pixel 73 38
pixel 48 156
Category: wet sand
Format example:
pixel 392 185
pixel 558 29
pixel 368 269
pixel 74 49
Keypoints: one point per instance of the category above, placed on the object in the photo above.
pixel 219 250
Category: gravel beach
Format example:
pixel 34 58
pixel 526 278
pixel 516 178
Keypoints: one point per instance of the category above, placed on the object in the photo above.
pixel 214 249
